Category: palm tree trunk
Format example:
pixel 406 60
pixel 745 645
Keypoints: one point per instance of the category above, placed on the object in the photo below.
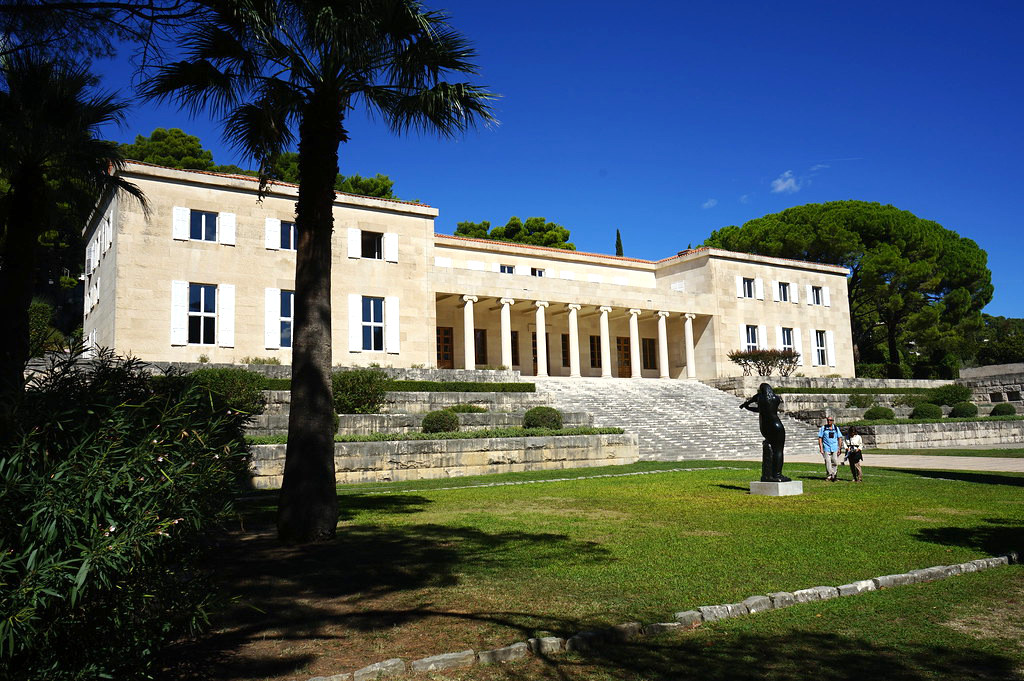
pixel 308 505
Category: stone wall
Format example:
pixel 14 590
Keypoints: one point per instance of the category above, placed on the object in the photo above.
pixel 364 424
pixel 992 370
pixel 943 435
pixel 429 459
pixel 745 386
pixel 1004 387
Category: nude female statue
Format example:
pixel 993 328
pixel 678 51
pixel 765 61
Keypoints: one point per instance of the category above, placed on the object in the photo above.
pixel 766 405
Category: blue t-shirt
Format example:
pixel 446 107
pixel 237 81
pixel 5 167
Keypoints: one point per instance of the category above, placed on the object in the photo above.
pixel 830 438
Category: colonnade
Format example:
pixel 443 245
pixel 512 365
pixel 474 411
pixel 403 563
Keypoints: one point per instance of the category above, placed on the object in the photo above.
pixel 540 312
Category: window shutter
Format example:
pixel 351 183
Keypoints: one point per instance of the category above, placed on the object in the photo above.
pixel 743 336
pixel 226 228
pixel 798 346
pixel 272 318
pixel 355 244
pixel 108 235
pixel 355 320
pixel 759 288
pixel 496 267
pixel 739 286
pixel 179 223
pixel 392 342
pixel 390 247
pixel 775 291
pixel 226 315
pixel 179 313
pixel 810 296
pixel 830 347
pixel 812 339
pixel 793 290
pixel 272 236
pixel 520 269
pixel 762 337
pixel 778 337
pixel 826 298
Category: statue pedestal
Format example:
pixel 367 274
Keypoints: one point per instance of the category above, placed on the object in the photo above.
pixel 777 489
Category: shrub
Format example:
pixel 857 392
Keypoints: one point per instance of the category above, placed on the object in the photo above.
pixel 862 401
pixel 765 361
pixel 909 399
pixel 926 410
pixel 1004 409
pixel 240 389
pixel 359 391
pixel 442 421
pixel 879 414
pixel 467 409
pixel 260 360
pixel 868 370
pixel 543 417
pixel 461 387
pixel 112 485
pixel 949 394
pixel 962 410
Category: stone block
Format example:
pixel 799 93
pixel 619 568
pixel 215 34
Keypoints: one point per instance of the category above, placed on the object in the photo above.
pixel 516 651
pixel 661 628
pixel 756 604
pixel 689 618
pixel 333 677
pixel 626 631
pixel 392 667
pixel 464 658
pixel 777 489
pixel 710 613
pixel 815 593
pixel 737 609
pixel 854 588
pixel 782 599
pixel 887 581
pixel 968 567
pixel 546 645
pixel 583 642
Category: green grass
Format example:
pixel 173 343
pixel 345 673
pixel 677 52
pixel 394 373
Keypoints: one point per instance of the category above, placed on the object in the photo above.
pixel 1009 453
pixel 459 435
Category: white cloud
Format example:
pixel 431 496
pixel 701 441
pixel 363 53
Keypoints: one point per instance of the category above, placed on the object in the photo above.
pixel 819 166
pixel 745 198
pixel 710 203
pixel 785 184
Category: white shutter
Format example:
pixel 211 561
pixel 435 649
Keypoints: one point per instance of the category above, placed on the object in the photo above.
pixel 226 229
pixel 272 318
pixel 520 269
pixel 179 313
pixel 355 244
pixel 739 286
pixel 180 223
pixel 762 337
pixel 107 234
pixel 793 290
pixel 390 247
pixel 810 296
pixel 272 236
pixel 496 267
pixel 826 297
pixel 355 322
pixel 798 345
pixel 775 291
pixel 743 336
pixel 392 343
pixel 759 288
pixel 830 348
pixel 96 295
pixel 812 340
pixel 778 337
pixel 226 315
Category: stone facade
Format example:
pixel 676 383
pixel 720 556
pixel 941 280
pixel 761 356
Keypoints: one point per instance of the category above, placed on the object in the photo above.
pixel 208 273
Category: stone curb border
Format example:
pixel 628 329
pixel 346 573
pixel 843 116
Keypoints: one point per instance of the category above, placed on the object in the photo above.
pixel 586 641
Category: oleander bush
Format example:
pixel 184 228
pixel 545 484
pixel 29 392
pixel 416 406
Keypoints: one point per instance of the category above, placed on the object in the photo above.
pixel 963 410
pixel 1004 409
pixel 926 410
pixel 110 487
pixel 359 391
pixel 467 409
pixel 879 413
pixel 909 399
pixel 949 394
pixel 461 387
pixel 765 362
pixel 441 421
pixel 543 417
pixel 860 401
pixel 241 389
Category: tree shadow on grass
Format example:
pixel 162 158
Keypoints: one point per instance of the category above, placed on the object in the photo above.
pixel 963 476
pixel 996 538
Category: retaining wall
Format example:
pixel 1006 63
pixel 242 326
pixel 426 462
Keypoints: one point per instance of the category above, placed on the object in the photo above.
pixel 939 435
pixel 745 386
pixel 429 459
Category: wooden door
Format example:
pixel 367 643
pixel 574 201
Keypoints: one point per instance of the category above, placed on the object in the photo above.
pixel 622 355
pixel 445 348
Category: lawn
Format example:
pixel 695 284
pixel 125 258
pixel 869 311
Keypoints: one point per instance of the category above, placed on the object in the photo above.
pixel 421 568
pixel 988 453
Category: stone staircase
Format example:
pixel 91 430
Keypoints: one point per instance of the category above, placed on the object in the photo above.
pixel 673 419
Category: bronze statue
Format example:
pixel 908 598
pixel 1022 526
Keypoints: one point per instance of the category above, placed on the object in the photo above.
pixel 766 404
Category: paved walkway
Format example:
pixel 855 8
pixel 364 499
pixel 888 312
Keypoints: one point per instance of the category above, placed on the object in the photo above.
pixel 941 463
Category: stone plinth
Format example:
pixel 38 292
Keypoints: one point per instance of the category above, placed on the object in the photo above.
pixel 777 489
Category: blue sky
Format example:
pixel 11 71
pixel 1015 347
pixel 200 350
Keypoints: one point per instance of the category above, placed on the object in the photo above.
pixel 667 120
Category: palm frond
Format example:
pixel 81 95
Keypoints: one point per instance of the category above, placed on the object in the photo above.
pixel 445 108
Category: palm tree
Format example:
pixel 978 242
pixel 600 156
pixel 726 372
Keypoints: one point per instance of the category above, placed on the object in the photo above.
pixel 53 168
pixel 277 70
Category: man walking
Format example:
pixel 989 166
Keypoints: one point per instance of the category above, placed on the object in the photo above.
pixel 830 444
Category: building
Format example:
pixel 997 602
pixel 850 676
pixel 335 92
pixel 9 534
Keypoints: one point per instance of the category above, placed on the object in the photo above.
pixel 209 273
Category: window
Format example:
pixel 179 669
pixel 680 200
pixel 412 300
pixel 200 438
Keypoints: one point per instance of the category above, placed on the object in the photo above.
pixel 202 226
pixel 515 348
pixel 289 237
pixel 565 349
pixel 536 272
pixel 373 324
pixel 748 287
pixel 287 316
pixel 783 292
pixel 787 339
pixel 751 337
pixel 649 353
pixel 816 298
pixel 480 345
pixel 507 269
pixel 820 348
pixel 595 352
pixel 372 245
pixel 202 314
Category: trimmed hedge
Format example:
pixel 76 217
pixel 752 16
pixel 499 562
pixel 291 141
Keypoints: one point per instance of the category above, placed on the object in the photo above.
pixel 926 410
pixel 905 422
pixel 460 435
pixel 851 391
pixel 1004 409
pixel 460 387
pixel 963 410
pixel 543 417
pixel 467 409
pixel 949 394
pixel 442 421
pixel 879 413
pixel 359 391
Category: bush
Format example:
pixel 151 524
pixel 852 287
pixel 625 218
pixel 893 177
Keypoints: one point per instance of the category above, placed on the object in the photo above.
pixel 868 370
pixel 963 410
pixel 949 394
pixel 860 401
pixel 926 410
pixel 112 485
pixel 467 409
pixel 765 361
pixel 879 414
pixel 240 389
pixel 442 421
pixel 543 417
pixel 461 387
pixel 359 391
pixel 1004 409
pixel 909 399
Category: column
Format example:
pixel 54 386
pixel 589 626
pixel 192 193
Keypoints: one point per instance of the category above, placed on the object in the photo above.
pixel 506 332
pixel 691 370
pixel 606 343
pixel 468 339
pixel 634 343
pixel 662 344
pixel 542 339
pixel 574 341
